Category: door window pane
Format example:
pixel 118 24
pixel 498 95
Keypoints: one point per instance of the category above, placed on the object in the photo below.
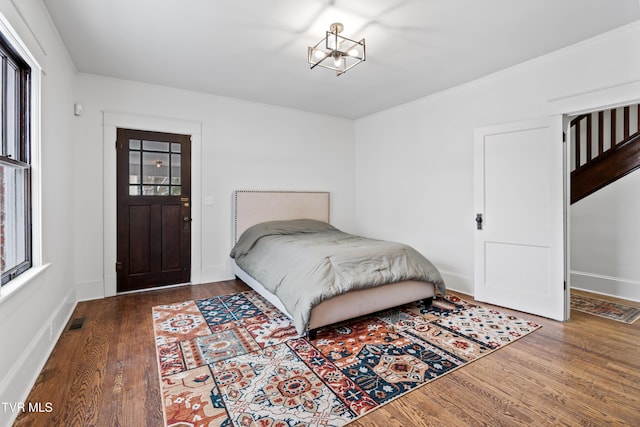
pixel 156 146
pixel 176 169
pixel 155 168
pixel 134 167
pixel 155 190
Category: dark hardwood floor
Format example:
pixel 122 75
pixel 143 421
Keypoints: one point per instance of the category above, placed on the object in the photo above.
pixel 582 372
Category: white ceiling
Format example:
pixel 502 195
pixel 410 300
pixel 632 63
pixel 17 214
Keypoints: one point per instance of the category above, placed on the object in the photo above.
pixel 257 49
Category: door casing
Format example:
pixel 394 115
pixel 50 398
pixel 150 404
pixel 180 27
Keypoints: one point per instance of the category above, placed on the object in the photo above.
pixel 107 286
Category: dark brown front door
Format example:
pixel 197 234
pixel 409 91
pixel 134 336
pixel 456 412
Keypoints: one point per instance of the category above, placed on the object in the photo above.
pixel 154 209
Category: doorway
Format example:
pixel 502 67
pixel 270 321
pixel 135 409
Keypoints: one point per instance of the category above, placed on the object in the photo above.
pixel 605 151
pixel 153 209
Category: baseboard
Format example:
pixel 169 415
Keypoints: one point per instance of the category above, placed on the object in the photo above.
pixel 95 290
pixel 16 386
pixel 606 285
pixel 90 290
pixel 216 273
pixel 458 283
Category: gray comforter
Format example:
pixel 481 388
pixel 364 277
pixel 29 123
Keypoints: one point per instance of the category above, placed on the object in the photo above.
pixel 304 262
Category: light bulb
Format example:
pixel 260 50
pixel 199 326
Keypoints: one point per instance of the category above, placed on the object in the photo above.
pixel 353 52
pixel 337 60
pixel 319 54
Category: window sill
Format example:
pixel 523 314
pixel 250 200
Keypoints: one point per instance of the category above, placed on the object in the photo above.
pixel 13 286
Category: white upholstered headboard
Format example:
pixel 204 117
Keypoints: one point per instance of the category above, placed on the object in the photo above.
pixel 253 207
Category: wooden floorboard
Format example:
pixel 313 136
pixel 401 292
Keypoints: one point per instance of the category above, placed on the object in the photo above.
pixel 582 372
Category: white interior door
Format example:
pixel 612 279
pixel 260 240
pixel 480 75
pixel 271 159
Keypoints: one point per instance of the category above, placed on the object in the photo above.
pixel 519 195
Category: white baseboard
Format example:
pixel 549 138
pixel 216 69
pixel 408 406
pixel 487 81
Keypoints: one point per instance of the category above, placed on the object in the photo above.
pixel 90 290
pixel 95 290
pixel 16 386
pixel 456 282
pixel 606 285
pixel 216 273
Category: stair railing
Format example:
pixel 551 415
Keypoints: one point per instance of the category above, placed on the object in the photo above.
pixel 605 147
pixel 612 128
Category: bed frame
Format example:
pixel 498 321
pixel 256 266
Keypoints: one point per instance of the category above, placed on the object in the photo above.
pixel 253 207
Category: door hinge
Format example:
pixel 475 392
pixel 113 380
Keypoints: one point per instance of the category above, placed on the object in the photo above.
pixel 119 266
pixel 564 137
pixel 118 145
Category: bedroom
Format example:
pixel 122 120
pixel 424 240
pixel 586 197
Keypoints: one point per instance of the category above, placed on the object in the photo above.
pixel 278 144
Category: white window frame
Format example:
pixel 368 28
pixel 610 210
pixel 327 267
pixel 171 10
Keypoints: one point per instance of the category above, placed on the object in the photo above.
pixel 37 266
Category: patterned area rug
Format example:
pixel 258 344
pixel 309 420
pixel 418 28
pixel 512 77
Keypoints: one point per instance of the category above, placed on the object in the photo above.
pixel 234 360
pixel 602 308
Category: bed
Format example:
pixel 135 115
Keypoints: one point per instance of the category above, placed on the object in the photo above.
pixel 279 218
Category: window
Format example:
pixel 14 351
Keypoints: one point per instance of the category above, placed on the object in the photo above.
pixel 154 168
pixel 15 167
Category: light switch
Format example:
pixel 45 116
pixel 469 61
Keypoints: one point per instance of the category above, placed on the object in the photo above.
pixel 208 200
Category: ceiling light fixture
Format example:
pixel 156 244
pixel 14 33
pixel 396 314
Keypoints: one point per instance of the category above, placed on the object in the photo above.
pixel 336 52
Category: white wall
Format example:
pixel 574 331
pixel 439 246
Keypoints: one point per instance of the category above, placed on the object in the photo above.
pixel 27 314
pixel 605 239
pixel 244 145
pixel 414 163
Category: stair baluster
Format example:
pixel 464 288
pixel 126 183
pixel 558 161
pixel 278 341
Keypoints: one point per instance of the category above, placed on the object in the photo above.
pixel 603 165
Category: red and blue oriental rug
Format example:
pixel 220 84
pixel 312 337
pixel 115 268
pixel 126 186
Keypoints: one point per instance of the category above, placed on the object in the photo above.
pixel 235 360
pixel 608 309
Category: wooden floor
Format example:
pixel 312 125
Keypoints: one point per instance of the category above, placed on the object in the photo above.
pixel 582 372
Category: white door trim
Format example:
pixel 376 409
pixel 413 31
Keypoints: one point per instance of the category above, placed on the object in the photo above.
pixel 110 122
